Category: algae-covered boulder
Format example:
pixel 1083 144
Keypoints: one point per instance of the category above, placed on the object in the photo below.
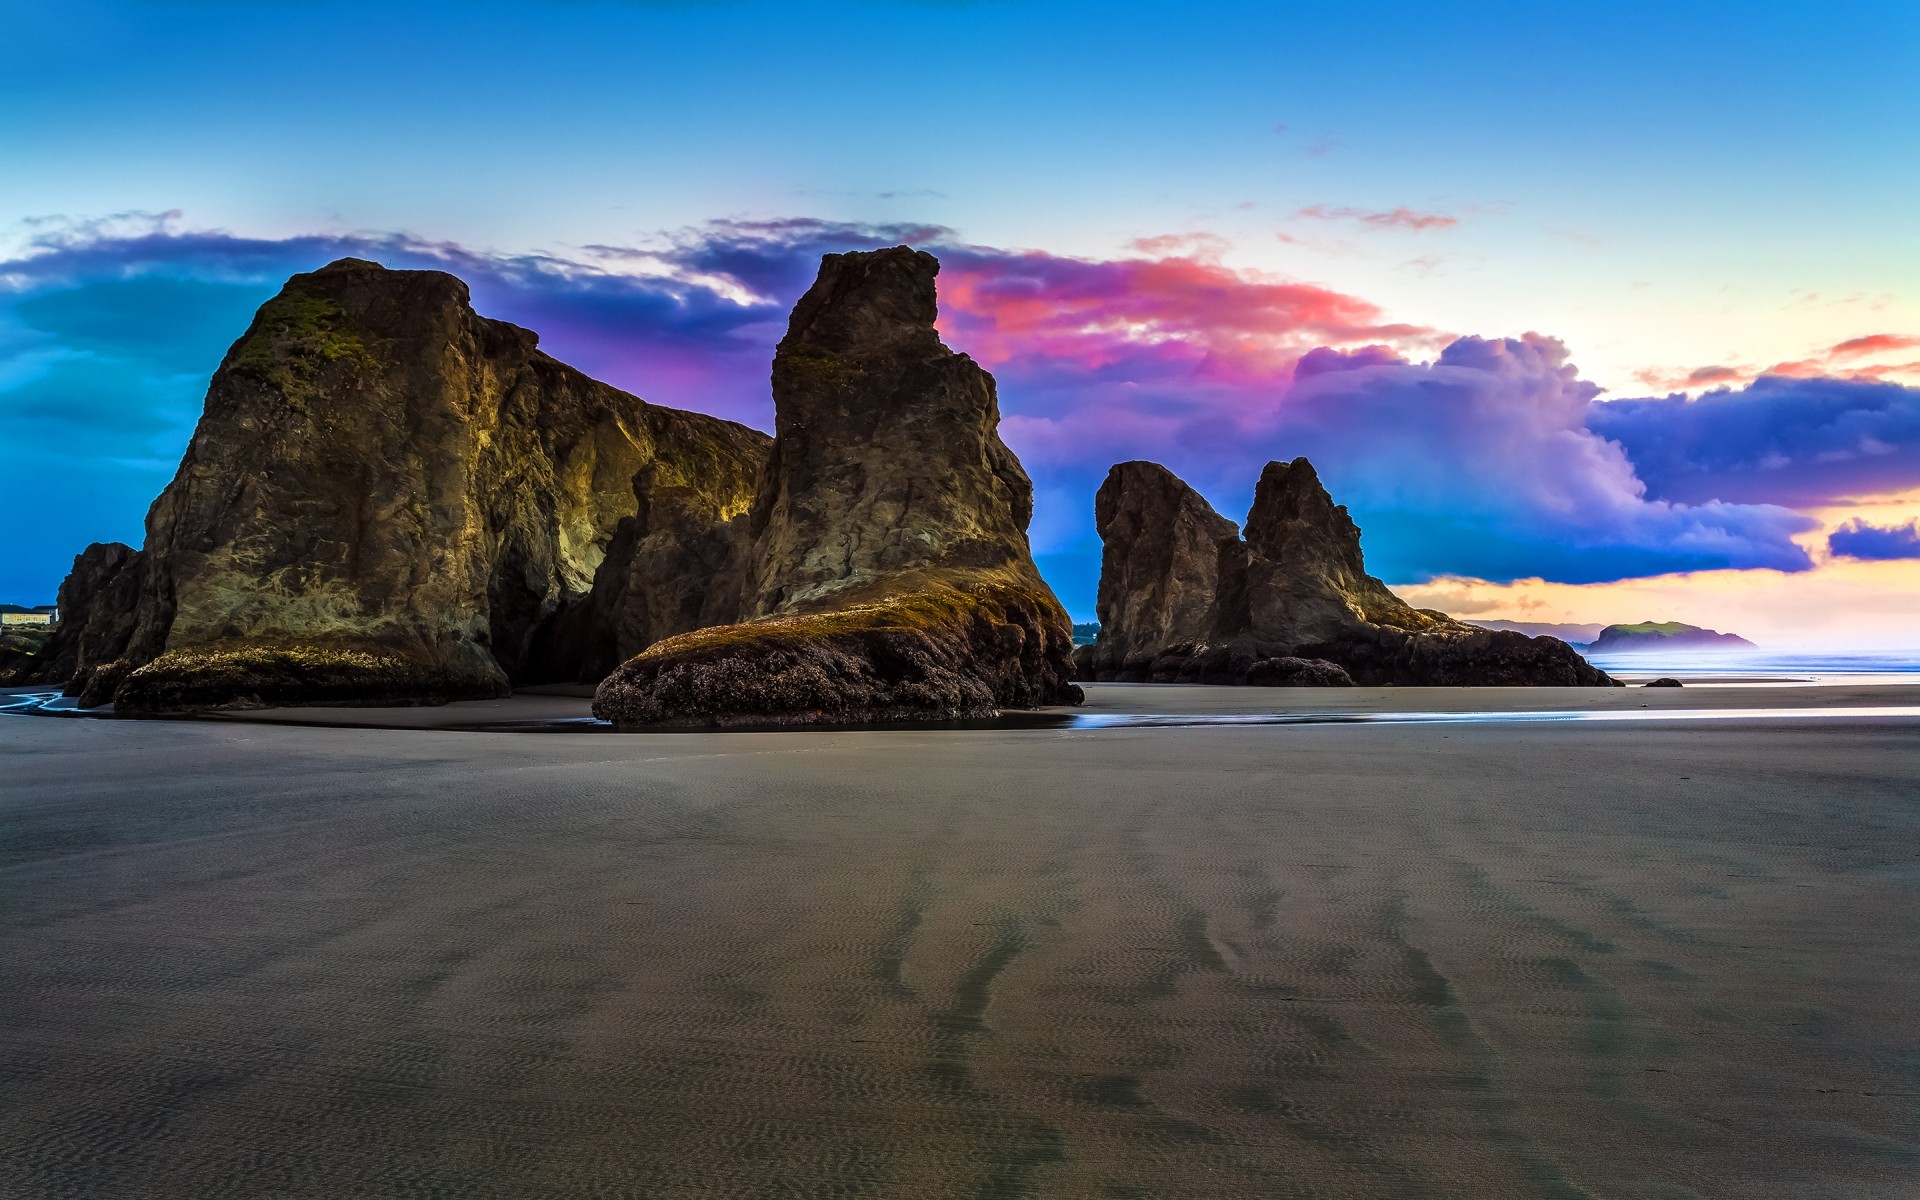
pixel 1289 604
pixel 888 576
pixel 390 499
pixel 937 654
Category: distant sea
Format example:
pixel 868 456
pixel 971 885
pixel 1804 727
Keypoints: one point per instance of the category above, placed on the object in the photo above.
pixel 1762 666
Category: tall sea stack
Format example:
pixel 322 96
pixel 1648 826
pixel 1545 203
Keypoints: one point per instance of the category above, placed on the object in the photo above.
pixel 889 576
pixel 1290 603
pixel 390 499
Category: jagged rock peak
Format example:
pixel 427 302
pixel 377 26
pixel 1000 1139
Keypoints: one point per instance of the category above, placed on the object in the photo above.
pixel 1160 563
pixel 1293 514
pixel 866 302
pixel 888 455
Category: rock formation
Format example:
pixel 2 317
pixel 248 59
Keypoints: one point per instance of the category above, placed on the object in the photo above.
pixel 888 576
pixel 20 646
pixel 1160 562
pixel 97 603
pixel 1294 588
pixel 390 499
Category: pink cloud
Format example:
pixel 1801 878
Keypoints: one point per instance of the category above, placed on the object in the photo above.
pixel 1398 218
pixel 1877 343
pixel 1148 315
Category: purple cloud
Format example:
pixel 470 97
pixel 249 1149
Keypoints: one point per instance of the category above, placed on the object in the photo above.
pixel 1494 460
pixel 1779 440
pixel 1481 463
pixel 1875 543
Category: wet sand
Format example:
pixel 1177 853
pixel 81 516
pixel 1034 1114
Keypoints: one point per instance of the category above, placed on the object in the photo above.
pixel 1662 959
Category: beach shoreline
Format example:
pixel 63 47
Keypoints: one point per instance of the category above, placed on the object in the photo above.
pixel 1485 958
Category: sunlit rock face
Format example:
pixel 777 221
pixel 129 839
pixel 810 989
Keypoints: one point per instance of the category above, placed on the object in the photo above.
pixel 1289 604
pixel 889 576
pixel 390 499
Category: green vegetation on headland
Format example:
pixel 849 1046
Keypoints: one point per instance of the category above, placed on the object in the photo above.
pixel 1664 635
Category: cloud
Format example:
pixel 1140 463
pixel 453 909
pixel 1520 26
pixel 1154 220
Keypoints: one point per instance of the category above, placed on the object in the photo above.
pixel 1840 361
pixel 1876 343
pixel 1698 377
pixel 1780 440
pixel 1398 218
pixel 1480 463
pixel 1486 460
pixel 1875 543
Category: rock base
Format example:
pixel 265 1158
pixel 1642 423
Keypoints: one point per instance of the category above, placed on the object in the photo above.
pixel 1380 658
pixel 271 677
pixel 941 655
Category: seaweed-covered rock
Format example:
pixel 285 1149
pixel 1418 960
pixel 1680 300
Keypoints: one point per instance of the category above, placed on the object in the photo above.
pixel 19 646
pixel 1295 587
pixel 888 576
pixel 932 655
pixel 390 498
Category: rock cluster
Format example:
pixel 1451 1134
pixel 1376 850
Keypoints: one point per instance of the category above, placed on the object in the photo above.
pixel 1185 597
pixel 888 575
pixel 390 499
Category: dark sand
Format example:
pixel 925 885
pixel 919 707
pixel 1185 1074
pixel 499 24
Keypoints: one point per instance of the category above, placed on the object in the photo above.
pixel 1650 959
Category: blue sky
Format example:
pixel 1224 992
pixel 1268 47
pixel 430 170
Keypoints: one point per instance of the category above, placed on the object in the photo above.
pixel 1669 192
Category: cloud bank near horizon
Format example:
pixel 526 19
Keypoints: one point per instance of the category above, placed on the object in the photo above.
pixel 1858 539
pixel 1459 456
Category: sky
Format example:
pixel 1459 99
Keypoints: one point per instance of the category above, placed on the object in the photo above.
pixel 1588 313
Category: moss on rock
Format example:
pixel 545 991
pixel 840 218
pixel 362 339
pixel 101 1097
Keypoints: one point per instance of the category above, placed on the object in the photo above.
pixel 941 654
pixel 255 676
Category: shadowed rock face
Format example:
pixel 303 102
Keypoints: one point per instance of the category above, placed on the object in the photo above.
pixel 888 576
pixel 1159 566
pixel 1304 578
pixel 1291 604
pixel 97 602
pixel 390 499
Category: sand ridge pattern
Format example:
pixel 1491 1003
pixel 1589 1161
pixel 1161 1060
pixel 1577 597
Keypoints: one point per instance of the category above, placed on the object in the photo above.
pixel 1313 962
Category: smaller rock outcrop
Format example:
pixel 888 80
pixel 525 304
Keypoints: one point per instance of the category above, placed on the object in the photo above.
pixel 19 646
pixel 1162 546
pixel 888 576
pixel 97 606
pixel 1290 603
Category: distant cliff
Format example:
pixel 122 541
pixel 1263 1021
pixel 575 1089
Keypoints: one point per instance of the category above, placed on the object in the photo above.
pixel 1185 595
pixel 1664 635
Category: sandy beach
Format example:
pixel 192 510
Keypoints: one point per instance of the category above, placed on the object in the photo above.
pixel 1481 959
